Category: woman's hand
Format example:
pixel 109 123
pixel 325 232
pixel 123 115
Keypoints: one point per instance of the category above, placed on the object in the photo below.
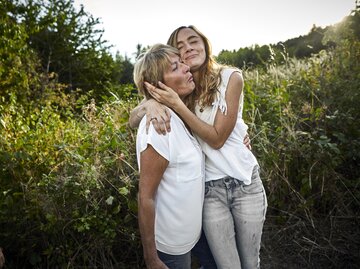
pixel 165 95
pixel 158 115
pixel 156 264
pixel 2 258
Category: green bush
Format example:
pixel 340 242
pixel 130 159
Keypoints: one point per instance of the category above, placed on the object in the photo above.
pixel 69 185
pixel 305 134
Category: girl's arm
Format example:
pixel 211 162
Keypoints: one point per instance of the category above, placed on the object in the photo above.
pixel 137 114
pixel 214 135
pixel 156 113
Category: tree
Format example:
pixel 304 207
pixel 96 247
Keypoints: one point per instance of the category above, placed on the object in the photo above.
pixel 123 71
pixel 69 43
pixel 18 63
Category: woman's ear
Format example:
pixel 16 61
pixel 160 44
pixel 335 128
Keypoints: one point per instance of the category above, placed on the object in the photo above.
pixel 157 83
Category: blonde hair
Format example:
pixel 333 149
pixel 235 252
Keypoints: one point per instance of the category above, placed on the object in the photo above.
pixel 209 72
pixel 152 65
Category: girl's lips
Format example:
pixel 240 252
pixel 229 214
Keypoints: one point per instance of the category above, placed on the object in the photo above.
pixel 190 57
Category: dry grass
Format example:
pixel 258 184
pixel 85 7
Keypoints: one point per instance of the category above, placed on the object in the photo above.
pixel 331 243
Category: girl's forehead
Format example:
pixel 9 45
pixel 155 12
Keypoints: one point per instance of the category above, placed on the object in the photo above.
pixel 186 33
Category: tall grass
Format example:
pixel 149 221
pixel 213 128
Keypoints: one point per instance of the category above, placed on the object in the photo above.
pixel 304 134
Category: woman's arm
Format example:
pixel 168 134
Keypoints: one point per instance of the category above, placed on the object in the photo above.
pixel 152 168
pixel 215 135
pixel 156 113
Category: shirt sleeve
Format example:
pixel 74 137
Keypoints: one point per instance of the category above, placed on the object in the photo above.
pixel 159 142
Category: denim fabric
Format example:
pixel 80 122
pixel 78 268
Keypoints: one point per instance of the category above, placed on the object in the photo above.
pixel 233 220
pixel 176 261
pixel 203 253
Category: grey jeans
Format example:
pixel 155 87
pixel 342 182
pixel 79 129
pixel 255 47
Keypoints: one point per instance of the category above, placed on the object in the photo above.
pixel 233 220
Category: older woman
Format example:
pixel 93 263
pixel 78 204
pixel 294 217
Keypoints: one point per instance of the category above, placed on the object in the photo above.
pixel 171 169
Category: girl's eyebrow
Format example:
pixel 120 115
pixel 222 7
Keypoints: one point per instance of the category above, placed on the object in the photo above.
pixel 189 38
pixel 193 36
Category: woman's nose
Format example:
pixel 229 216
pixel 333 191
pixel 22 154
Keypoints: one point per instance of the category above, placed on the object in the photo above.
pixel 186 68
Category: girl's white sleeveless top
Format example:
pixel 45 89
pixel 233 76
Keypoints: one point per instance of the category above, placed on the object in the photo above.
pixel 234 158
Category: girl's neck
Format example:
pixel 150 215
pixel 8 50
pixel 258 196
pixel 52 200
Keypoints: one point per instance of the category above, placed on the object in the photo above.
pixel 196 75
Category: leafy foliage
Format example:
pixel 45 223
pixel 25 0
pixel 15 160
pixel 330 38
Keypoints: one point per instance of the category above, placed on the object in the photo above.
pixel 18 64
pixel 68 185
pixel 306 137
pixel 299 47
pixel 68 166
pixel 67 42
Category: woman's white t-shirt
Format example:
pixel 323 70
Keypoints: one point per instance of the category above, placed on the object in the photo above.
pixel 234 158
pixel 179 198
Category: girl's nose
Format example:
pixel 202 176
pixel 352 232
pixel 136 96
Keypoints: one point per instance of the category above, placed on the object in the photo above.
pixel 188 47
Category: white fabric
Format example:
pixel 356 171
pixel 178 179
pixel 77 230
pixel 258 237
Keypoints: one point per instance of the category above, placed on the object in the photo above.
pixel 233 159
pixel 179 198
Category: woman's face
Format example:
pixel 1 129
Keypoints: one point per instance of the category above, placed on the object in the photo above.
pixel 178 77
pixel 192 48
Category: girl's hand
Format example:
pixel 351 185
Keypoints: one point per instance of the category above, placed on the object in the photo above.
pixel 158 115
pixel 247 141
pixel 165 95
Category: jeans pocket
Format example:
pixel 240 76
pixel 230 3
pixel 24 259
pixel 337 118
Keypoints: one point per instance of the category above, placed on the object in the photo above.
pixel 207 190
pixel 254 188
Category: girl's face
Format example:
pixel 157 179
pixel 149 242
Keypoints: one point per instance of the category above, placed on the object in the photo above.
pixel 192 48
pixel 178 77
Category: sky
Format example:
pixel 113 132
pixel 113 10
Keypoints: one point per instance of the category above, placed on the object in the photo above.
pixel 228 24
